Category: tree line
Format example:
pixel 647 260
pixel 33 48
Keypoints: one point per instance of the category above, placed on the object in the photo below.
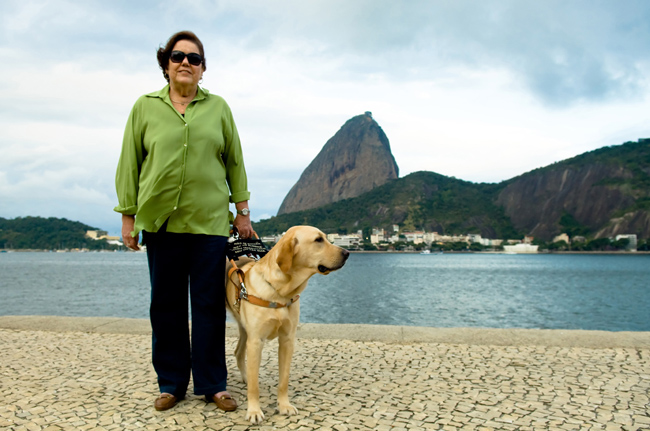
pixel 39 233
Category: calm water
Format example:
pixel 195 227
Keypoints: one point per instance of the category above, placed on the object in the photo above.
pixel 599 292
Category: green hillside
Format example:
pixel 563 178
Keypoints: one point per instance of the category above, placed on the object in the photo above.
pixel 38 233
pixel 633 156
pixel 436 203
pixel 419 201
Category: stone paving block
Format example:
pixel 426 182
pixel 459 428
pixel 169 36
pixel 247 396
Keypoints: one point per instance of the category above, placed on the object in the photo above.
pixel 77 380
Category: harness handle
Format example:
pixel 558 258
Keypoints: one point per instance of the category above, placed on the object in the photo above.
pixel 242 293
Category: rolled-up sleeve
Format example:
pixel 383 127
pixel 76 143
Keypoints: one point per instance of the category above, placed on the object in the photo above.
pixel 234 160
pixel 128 168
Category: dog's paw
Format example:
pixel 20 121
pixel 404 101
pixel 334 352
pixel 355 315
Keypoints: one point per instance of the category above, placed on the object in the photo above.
pixel 254 416
pixel 287 409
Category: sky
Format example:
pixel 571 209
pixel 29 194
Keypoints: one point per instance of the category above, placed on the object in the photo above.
pixel 482 91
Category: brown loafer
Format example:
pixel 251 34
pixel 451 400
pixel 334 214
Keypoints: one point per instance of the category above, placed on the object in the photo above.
pixel 165 402
pixel 225 402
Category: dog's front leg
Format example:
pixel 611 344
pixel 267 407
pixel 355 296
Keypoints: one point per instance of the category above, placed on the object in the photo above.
pixel 254 358
pixel 285 353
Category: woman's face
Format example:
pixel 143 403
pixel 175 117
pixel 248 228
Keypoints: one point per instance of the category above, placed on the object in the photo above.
pixel 183 73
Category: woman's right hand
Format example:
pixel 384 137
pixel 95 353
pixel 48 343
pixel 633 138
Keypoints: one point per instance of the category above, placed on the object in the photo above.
pixel 128 223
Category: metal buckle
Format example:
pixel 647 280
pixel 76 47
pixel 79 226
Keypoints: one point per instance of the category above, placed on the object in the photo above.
pixel 242 292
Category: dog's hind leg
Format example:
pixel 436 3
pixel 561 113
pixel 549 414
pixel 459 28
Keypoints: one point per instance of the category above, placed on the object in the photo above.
pixel 240 352
pixel 285 353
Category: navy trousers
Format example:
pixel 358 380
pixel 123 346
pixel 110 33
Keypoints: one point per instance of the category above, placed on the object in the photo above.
pixel 176 261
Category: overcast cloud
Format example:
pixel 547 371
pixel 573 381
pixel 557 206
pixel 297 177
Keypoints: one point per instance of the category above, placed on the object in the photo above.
pixel 479 90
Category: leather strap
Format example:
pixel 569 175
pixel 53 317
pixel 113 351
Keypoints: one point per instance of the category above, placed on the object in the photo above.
pixel 254 299
pixel 267 304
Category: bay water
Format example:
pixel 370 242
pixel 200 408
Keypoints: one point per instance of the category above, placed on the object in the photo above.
pixel 547 291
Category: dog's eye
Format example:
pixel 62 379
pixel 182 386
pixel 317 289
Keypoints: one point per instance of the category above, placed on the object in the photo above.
pixel 319 239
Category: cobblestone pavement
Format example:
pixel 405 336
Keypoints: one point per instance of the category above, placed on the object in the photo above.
pixel 105 381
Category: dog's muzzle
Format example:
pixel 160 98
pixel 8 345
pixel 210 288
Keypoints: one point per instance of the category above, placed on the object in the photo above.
pixel 344 257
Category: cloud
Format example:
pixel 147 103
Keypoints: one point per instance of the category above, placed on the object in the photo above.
pixel 482 91
pixel 563 52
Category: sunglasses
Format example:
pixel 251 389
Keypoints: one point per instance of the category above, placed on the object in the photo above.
pixel 193 58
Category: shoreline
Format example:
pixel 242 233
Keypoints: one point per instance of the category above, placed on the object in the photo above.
pixel 356 332
pixel 616 253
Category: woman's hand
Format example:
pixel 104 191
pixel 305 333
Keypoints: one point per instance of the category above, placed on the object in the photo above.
pixel 128 223
pixel 243 222
pixel 243 225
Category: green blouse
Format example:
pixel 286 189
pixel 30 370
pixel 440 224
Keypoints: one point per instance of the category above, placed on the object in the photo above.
pixel 182 168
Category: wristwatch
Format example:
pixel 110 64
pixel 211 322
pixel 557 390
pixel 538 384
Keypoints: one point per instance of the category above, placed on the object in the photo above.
pixel 244 211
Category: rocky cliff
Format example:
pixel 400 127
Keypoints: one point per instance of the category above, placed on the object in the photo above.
pixel 354 161
pixel 604 193
pixel 598 194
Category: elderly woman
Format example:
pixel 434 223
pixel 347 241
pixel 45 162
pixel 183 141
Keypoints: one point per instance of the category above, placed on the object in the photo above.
pixel 181 164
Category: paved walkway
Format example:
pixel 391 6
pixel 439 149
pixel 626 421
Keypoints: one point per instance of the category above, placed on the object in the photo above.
pixel 96 374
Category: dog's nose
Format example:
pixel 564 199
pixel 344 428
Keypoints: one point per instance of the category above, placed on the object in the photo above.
pixel 345 254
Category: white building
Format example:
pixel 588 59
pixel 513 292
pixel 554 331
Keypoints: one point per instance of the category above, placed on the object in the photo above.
pixel 429 237
pixel 485 242
pixel 562 237
pixel 377 236
pixel 351 241
pixel 271 239
pixel 416 237
pixel 521 248
pixel 632 238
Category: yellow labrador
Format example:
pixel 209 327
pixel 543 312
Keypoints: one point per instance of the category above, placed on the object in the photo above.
pixel 274 283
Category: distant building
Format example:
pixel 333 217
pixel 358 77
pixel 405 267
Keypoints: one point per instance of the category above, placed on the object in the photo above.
pixel 521 248
pixel 96 234
pixel 377 236
pixel 429 237
pixel 485 242
pixel 414 237
pixel 451 238
pixel 562 237
pixel 631 246
pixel 351 241
pixel 102 234
pixel 271 239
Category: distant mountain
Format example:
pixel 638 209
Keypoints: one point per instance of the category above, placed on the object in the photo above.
pixel 601 193
pixel 38 233
pixel 597 194
pixel 354 161
pixel 421 200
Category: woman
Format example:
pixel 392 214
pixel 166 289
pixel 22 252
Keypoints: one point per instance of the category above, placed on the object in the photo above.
pixel 181 164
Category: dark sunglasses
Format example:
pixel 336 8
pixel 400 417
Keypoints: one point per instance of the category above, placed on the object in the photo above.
pixel 193 58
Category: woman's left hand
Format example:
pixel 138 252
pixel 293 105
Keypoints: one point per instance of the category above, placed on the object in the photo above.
pixel 243 225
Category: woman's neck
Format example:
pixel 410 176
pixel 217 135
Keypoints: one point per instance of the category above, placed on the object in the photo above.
pixel 182 94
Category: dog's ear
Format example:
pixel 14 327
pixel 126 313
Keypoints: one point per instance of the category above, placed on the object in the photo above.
pixel 285 254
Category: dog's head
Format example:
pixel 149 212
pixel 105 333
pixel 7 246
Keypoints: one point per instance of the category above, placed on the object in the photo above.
pixel 305 249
